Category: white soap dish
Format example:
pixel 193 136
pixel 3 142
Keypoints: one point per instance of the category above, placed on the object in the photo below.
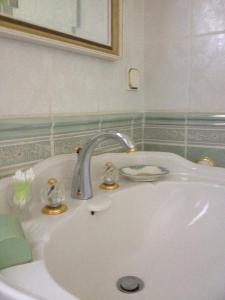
pixel 143 172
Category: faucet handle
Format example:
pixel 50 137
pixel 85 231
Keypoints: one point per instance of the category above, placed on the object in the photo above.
pixel 77 149
pixel 110 177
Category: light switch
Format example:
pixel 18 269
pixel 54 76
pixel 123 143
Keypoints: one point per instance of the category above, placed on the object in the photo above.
pixel 133 79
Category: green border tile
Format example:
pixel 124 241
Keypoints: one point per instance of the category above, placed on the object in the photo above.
pixel 19 128
pixel 165 118
pixel 75 124
pixel 116 120
pixel 82 126
pixel 206 119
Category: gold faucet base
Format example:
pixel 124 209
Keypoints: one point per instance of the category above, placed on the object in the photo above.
pixel 132 149
pixel 206 160
pixel 109 187
pixel 48 210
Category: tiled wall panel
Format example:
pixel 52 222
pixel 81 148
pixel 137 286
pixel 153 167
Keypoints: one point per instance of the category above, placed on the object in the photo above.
pixel 24 142
pixel 190 135
pixel 184 55
pixel 37 80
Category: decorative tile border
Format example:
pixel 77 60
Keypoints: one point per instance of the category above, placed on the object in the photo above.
pixel 66 144
pixel 164 133
pixel 204 120
pixel 22 128
pixel 16 154
pixel 137 135
pixel 188 134
pixel 199 136
pixel 24 141
pixel 75 124
pixel 165 118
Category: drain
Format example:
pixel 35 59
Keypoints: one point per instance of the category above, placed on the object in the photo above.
pixel 130 284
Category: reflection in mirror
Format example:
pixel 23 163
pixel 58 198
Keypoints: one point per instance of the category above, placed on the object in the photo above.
pixel 91 23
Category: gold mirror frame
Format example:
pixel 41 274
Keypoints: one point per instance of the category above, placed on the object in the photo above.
pixel 34 30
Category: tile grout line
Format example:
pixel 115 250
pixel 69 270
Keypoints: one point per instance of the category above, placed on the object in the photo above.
pixel 189 78
pixel 143 120
pixel 52 141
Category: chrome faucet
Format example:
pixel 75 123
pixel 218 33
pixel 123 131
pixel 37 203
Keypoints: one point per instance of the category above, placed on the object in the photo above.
pixel 81 184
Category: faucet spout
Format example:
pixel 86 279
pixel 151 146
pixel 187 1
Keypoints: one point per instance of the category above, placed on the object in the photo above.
pixel 81 183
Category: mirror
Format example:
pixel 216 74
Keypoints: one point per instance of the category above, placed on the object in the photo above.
pixel 91 24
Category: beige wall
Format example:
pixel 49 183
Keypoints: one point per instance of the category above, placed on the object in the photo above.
pixel 37 80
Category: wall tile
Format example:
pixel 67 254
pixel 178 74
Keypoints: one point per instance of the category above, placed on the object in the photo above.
pixel 25 70
pixel 116 120
pixel 198 84
pixel 23 153
pixel 120 99
pixel 134 6
pixel 166 75
pixel 75 84
pixel 134 30
pixel 168 18
pixel 208 68
pixel 75 123
pixel 23 141
pixel 137 135
pixel 165 118
pixel 206 137
pixel 47 80
pixel 206 120
pixel 66 145
pixel 208 16
pixel 201 134
pixel 164 133
pixel 24 128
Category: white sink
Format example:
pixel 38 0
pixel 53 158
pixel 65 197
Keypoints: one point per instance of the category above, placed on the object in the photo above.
pixel 170 233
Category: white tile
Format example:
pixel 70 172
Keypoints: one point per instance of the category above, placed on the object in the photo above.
pixel 133 25
pixel 80 102
pixel 134 54
pixel 166 18
pixel 208 74
pixel 208 16
pixel 39 80
pixel 121 100
pixel 166 75
pixel 73 83
pixel 23 78
pixel 131 6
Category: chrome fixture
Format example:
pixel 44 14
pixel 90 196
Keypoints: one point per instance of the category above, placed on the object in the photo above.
pixel 81 183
